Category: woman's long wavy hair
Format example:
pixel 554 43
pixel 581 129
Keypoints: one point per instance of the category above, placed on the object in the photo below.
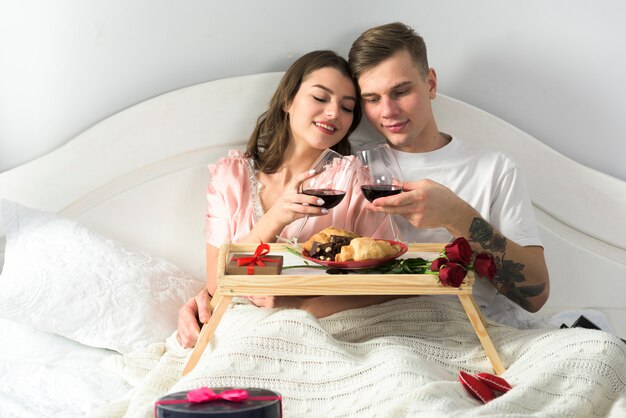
pixel 270 137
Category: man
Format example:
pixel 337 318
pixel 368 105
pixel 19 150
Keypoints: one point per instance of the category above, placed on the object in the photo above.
pixel 451 188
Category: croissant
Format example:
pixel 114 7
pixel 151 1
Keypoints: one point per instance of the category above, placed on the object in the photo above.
pixel 366 248
pixel 323 236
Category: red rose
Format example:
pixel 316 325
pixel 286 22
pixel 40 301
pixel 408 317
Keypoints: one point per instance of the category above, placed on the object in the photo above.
pixel 436 265
pixel 485 266
pixel 459 251
pixel 452 274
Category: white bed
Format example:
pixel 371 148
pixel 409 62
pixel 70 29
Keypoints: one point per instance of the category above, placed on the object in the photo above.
pixel 139 177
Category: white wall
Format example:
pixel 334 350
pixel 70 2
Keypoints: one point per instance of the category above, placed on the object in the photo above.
pixel 556 69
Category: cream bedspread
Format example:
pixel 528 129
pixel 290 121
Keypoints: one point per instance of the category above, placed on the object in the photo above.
pixel 397 359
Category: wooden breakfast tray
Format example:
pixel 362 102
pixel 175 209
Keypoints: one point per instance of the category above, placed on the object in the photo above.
pixel 229 286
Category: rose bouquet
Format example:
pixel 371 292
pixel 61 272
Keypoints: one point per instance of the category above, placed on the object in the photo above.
pixel 457 258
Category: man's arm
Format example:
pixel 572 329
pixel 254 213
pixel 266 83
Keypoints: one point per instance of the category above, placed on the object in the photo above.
pixel 522 275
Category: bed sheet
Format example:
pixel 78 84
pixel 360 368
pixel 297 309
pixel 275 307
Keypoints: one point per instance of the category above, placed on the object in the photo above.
pixel 505 312
pixel 45 375
pixel 396 359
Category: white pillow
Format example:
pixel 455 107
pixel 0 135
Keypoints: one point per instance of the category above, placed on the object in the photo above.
pixel 74 379
pixel 63 278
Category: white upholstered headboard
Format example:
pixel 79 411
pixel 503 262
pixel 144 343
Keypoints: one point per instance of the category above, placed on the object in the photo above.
pixel 140 175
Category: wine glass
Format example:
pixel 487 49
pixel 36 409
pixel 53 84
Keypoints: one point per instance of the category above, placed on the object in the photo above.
pixel 379 175
pixel 333 173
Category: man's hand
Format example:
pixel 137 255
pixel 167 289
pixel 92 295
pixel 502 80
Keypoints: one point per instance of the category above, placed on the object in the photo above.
pixel 427 204
pixel 193 313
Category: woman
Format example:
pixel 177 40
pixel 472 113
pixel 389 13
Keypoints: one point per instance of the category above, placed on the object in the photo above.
pixel 254 196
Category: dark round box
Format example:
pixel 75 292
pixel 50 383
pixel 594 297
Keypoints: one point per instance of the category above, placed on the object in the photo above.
pixel 250 408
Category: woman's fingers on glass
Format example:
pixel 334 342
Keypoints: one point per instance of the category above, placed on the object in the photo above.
pixel 307 198
pixel 303 203
pixel 310 209
pixel 300 178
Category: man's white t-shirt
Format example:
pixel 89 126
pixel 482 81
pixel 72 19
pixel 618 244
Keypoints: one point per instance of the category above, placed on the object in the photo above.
pixel 487 180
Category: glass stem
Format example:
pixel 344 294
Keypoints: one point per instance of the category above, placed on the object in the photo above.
pixel 393 229
pixel 295 238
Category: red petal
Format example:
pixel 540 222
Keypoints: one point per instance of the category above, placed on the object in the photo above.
pixel 494 382
pixel 436 264
pixel 476 387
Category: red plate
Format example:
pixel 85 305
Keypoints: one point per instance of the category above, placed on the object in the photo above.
pixel 358 264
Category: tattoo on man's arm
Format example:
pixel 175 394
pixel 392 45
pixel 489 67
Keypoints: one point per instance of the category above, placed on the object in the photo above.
pixel 482 233
pixel 509 274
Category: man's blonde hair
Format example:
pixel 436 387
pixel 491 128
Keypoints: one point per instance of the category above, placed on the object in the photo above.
pixel 381 42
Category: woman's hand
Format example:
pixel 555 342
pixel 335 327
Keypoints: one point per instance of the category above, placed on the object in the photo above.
pixel 193 313
pixel 287 208
pixel 291 205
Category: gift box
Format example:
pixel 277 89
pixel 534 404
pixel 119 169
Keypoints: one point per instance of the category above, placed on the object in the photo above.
pixel 249 264
pixel 220 403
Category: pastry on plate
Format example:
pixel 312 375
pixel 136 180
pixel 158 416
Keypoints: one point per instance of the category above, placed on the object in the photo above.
pixel 366 248
pixel 324 236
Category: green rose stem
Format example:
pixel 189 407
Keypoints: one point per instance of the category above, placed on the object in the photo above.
pixel 308 266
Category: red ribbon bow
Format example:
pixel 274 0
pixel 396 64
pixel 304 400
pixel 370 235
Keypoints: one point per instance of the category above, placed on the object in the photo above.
pixel 205 394
pixel 257 259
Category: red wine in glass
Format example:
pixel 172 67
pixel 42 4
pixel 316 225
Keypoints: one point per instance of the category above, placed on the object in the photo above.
pixel 330 197
pixel 380 175
pixel 332 178
pixel 374 191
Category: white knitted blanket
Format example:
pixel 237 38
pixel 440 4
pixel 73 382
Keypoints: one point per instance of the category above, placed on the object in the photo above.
pixel 397 359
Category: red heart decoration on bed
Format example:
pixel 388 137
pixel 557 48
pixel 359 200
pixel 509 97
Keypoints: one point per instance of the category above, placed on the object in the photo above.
pixel 494 382
pixel 476 387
